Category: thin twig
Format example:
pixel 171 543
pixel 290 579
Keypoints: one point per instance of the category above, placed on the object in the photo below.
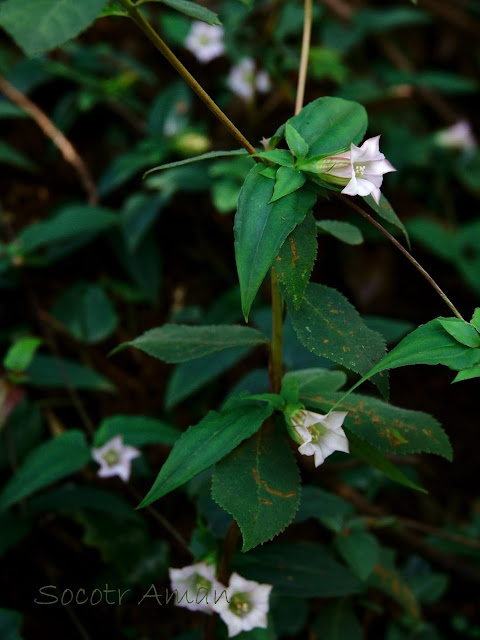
pixel 62 143
pixel 302 71
pixel 401 248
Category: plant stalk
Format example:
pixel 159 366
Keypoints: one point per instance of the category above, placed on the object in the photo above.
pixel 153 36
pixel 302 71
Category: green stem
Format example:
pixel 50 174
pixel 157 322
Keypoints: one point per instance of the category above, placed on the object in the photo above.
pixel 408 255
pixel 153 36
pixel 276 354
pixel 302 72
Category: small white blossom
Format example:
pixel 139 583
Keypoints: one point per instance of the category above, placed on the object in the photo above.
pixel 361 169
pixel 244 80
pixel 115 458
pixel 320 435
pixel 197 588
pixel 459 136
pixel 205 41
pixel 246 605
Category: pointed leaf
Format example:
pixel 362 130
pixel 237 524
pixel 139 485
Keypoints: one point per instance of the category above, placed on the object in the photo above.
pixel 327 324
pixel 287 181
pixel 462 331
pixel 467 374
pixel 179 342
pixel 283 157
pixel 206 443
pixel 475 321
pixel 55 459
pixel 295 141
pixel 330 124
pixel 191 9
pixel 259 485
pixel 261 229
pixel 343 231
pixel 296 258
pixel 205 156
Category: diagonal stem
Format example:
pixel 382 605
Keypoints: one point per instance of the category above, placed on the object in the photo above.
pixel 302 71
pixel 408 255
pixel 153 36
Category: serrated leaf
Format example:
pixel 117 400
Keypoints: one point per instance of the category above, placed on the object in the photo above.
pixel 461 330
pixel 259 485
pixel 327 324
pixel 204 156
pixel 136 431
pixel 287 181
pixel 40 25
pixel 180 343
pixel 21 353
pixel 191 9
pixel 314 381
pixel 330 124
pixel 359 549
pixel 306 565
pixel 385 210
pixel 387 428
pixel 55 459
pixel 372 456
pixel 296 258
pixel 295 142
pixel 206 443
pixel 343 231
pixel 261 229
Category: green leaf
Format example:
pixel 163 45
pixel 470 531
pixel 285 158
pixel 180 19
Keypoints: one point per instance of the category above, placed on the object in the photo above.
pixel 289 391
pixel 330 124
pixel 295 142
pixel 296 258
pixel 305 565
pixel 87 312
pixel 467 374
pixel 387 428
pixel 320 504
pixel 180 343
pixel 66 225
pixel 283 157
pixel 190 9
pixel 343 231
pixel 55 459
pixel 21 353
pixel 112 10
pixel 48 371
pixel 337 621
pixel 327 324
pixel 359 549
pixel 287 181
pixel 139 214
pixel 10 624
pixel 372 456
pixel 428 344
pixel 259 485
pixel 385 210
pixel 475 321
pixel 204 156
pixel 136 431
pixel 206 443
pixel 40 25
pixel 261 229
pixel 314 381
pixel 461 330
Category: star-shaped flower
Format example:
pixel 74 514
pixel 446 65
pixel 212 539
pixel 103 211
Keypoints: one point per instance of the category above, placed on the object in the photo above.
pixel 115 458
pixel 361 169
pixel 197 588
pixel 320 435
pixel 246 605
pixel 244 80
pixel 205 41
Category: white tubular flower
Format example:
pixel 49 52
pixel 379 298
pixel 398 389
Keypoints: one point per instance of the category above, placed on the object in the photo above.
pixel 197 588
pixel 243 79
pixel 246 605
pixel 115 458
pixel 205 41
pixel 459 136
pixel 361 169
pixel 320 435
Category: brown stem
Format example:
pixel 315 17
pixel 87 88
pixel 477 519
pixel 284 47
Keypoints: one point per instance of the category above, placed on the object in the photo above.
pixel 66 148
pixel 408 255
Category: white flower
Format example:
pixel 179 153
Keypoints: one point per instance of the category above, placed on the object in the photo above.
pixel 197 587
pixel 246 605
pixel 361 169
pixel 244 80
pixel 320 435
pixel 205 41
pixel 459 136
pixel 115 458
